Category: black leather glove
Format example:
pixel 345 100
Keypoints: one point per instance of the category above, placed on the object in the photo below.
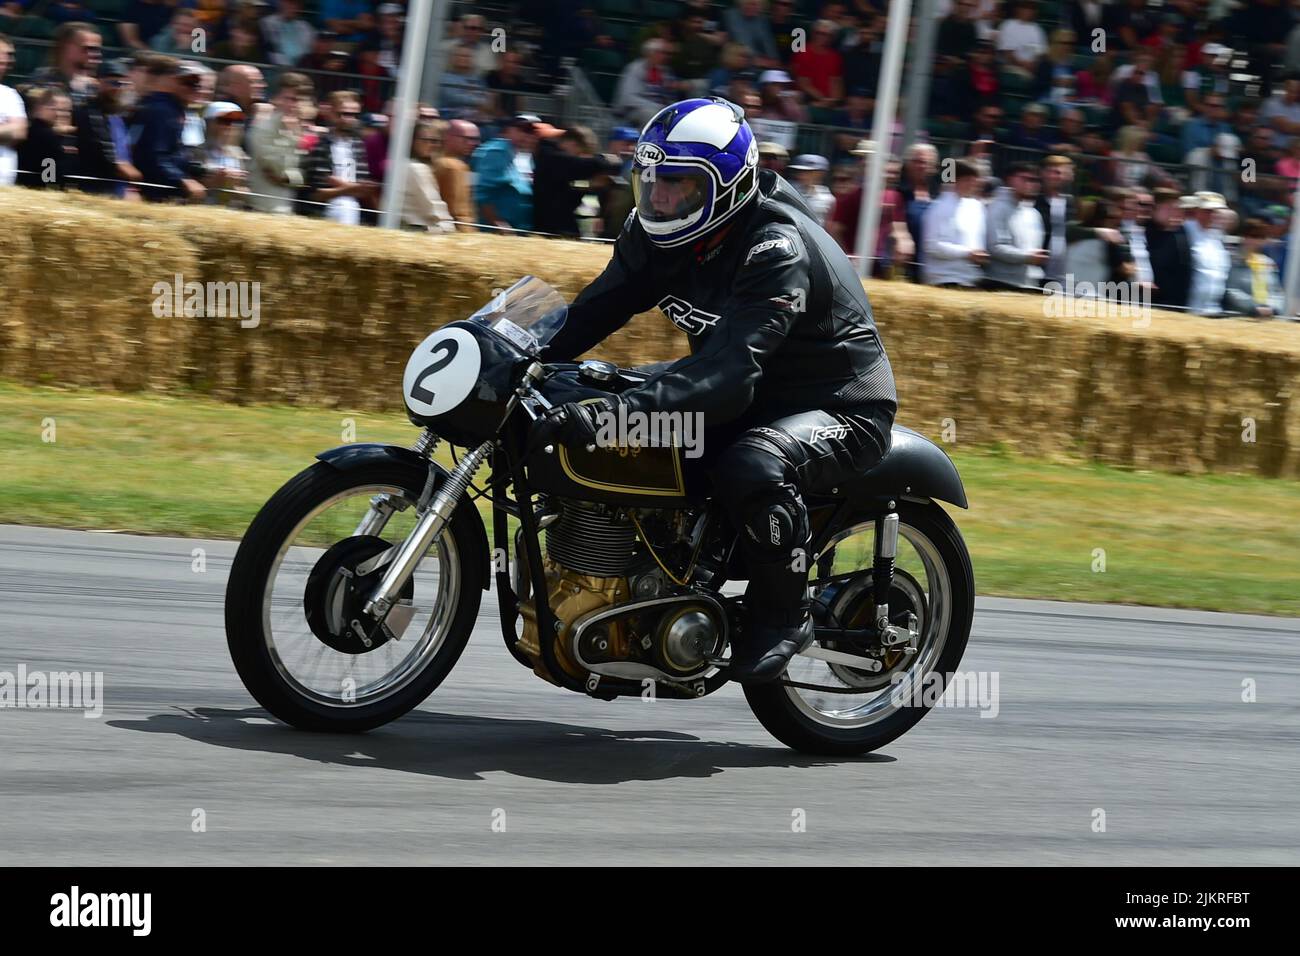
pixel 573 425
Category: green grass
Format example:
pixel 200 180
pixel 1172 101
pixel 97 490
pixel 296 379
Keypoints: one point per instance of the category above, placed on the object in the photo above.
pixel 187 466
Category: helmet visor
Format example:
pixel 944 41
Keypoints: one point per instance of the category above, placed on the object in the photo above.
pixel 670 196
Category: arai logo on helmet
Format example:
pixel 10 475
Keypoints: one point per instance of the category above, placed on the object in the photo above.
pixel 751 155
pixel 648 154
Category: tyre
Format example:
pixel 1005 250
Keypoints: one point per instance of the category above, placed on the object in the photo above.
pixel 301 574
pixel 869 710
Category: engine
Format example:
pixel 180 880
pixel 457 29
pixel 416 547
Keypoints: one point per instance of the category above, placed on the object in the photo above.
pixel 620 614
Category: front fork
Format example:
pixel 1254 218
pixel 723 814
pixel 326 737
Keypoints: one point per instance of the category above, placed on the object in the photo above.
pixel 433 519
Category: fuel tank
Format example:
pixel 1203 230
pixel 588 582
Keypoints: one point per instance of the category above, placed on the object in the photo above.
pixel 645 477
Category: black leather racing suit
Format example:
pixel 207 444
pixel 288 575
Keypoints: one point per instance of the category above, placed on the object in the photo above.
pixel 786 366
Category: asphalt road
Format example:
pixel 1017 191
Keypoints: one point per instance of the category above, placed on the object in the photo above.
pixel 1134 711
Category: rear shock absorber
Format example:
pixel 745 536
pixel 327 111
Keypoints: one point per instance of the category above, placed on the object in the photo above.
pixel 882 567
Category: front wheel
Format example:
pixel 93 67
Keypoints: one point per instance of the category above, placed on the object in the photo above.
pixel 858 711
pixel 300 577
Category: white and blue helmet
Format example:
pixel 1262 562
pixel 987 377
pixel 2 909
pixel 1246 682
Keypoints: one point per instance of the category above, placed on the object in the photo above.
pixel 695 166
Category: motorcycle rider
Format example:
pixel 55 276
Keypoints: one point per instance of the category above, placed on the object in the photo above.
pixel 786 365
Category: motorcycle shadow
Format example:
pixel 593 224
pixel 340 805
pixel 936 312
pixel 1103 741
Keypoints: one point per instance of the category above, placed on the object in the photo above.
pixel 461 747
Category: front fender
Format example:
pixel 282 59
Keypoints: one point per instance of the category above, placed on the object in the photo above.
pixel 349 457
pixel 915 467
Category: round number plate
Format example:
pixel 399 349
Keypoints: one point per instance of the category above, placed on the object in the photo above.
pixel 441 372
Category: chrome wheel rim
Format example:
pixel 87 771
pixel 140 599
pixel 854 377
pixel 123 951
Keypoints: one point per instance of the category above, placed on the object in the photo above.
pixel 851 711
pixel 333 678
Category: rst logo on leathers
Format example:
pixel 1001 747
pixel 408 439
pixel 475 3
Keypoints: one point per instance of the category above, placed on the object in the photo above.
pixel 827 431
pixel 686 317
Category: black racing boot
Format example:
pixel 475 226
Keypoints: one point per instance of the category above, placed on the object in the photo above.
pixel 777 624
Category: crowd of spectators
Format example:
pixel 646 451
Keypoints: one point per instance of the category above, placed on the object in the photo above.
pixel 1122 104
pixel 163 126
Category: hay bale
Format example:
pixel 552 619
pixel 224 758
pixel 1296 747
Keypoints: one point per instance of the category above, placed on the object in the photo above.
pixel 341 308
pixel 77 308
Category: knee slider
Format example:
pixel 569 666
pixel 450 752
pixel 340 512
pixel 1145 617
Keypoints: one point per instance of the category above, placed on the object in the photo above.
pixel 775 523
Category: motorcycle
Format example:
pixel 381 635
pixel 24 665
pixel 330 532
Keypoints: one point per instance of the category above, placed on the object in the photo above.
pixel 358 584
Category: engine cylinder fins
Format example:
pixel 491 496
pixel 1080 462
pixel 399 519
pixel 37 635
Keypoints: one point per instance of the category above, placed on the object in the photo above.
pixel 599 542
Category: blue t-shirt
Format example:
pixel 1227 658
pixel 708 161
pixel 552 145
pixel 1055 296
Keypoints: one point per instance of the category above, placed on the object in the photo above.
pixel 498 181
pixel 344 10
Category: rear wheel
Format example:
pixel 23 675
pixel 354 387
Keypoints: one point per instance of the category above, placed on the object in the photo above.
pixel 299 580
pixel 860 711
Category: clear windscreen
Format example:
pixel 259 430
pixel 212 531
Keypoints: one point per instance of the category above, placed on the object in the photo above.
pixel 529 313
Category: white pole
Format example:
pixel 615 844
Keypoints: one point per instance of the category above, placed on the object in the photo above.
pixel 1293 258
pixel 882 132
pixel 403 118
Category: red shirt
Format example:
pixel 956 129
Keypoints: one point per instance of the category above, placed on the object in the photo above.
pixel 819 67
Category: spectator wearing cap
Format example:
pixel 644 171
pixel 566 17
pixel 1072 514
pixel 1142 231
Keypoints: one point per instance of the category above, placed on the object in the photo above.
pixel 13 118
pixel 1015 240
pixel 779 99
pixel 452 172
pixel 157 148
pixel 809 172
pixel 45 156
pixel 503 190
pixel 275 172
pixel 349 20
pixel 103 145
pixel 956 232
pixel 745 24
pixel 74 61
pixel 773 156
pixel 1253 288
pixel 819 69
pixel 647 85
pixel 462 92
pixel 423 207
pixel 336 178
pixel 225 164
pixel 565 166
pixel 287 34
pixel 1030 133
pixel 1211 262
pixel 1170 250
